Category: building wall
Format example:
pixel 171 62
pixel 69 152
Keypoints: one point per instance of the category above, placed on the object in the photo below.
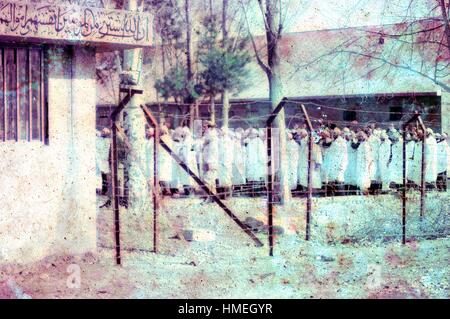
pixel 367 109
pixel 308 69
pixel 47 199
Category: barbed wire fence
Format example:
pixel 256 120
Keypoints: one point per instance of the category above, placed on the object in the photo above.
pixel 325 208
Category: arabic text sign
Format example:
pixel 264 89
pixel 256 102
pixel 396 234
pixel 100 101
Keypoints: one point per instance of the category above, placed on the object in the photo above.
pixel 73 23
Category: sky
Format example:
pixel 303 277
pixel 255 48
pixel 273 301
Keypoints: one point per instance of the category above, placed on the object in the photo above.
pixel 306 15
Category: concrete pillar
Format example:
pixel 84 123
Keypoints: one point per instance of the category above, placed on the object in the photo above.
pixel 134 125
pixel 81 235
pixel 59 83
pixel 72 101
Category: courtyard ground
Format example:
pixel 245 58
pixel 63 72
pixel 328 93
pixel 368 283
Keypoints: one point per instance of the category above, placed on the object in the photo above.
pixel 340 261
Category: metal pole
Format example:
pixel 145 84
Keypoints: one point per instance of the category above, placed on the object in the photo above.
pixel 205 188
pixel 43 111
pixel 114 173
pixel 422 176
pixel 155 187
pixel 4 119
pixel 404 190
pixel 270 187
pixel 114 159
pixel 418 120
pixel 309 196
pixel 270 173
pixel 30 97
pixel 156 143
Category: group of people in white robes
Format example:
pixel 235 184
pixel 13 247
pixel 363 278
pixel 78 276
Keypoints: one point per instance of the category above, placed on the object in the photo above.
pixel 342 161
pixel 347 161
pixel 366 160
pixel 225 160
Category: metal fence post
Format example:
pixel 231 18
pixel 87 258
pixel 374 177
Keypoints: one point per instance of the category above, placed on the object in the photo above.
pixel 155 187
pixel 404 189
pixel 205 188
pixel 115 196
pixel 270 172
pixel 309 196
pixel 114 163
pixel 416 118
pixel 270 187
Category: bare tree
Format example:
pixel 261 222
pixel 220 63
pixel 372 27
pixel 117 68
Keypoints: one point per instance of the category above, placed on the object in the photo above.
pixel 417 46
pixel 226 93
pixel 274 18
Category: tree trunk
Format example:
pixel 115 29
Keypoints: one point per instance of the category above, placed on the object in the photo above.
pixel 134 125
pixel 197 110
pixel 226 93
pixel 189 99
pixel 224 19
pixel 446 22
pixel 273 35
pixel 225 108
pixel 276 95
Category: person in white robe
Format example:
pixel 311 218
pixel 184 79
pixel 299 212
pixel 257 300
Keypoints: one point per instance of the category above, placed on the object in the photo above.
pixel 262 149
pixel 252 160
pixel 293 151
pixel 443 161
pixel 350 172
pixel 395 161
pixel 325 144
pixel 165 162
pixel 338 162
pixel 210 158
pixel 374 141
pixel 410 145
pixel 98 173
pixel 431 169
pixel 226 147
pixel 416 160
pixel 364 160
pixel 299 140
pixel 149 150
pixel 302 168
pixel 198 149
pixel 103 144
pixel 383 162
pixel 175 183
pixel 102 158
pixel 188 156
pixel 238 161
pixel 316 162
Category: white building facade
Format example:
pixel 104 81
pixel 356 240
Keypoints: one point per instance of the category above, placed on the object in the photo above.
pixel 47 130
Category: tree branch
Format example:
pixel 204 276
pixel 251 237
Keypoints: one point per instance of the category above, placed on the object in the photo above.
pixel 446 87
pixel 263 66
pixel 264 14
pixel 446 22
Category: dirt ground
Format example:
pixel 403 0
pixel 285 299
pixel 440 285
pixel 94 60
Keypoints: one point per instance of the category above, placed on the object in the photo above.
pixel 228 265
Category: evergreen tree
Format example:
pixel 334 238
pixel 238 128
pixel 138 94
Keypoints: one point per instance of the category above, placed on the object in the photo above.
pixel 176 85
pixel 222 62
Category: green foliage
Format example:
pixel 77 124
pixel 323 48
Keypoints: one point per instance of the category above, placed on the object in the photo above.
pixel 222 62
pixel 175 85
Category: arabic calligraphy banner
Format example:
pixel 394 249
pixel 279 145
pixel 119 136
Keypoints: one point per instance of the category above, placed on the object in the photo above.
pixel 56 23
